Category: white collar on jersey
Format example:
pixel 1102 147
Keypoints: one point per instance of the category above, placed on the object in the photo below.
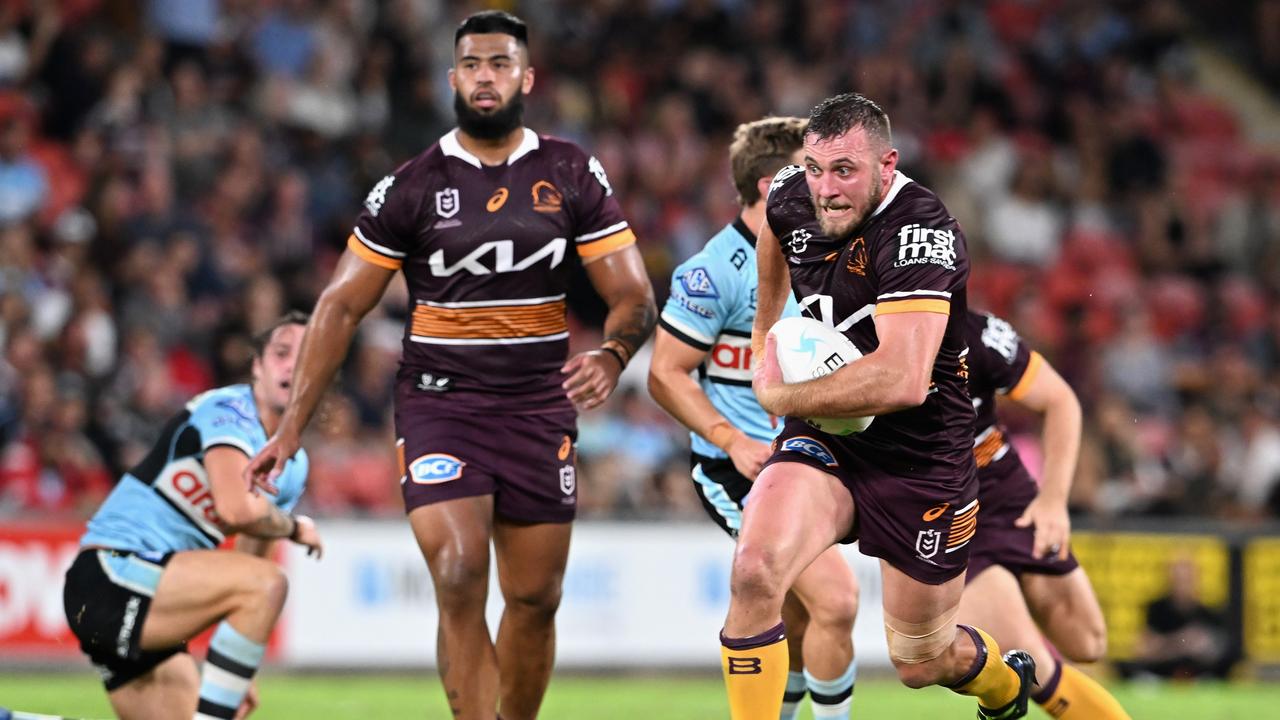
pixel 449 145
pixel 899 181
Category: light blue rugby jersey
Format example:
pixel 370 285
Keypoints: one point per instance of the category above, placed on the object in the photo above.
pixel 711 307
pixel 165 502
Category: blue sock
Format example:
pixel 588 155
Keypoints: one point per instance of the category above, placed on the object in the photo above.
pixel 794 695
pixel 832 698
pixel 228 670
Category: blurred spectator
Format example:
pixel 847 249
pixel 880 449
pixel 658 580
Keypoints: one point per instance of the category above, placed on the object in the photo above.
pixel 24 186
pixel 1024 226
pixel 352 470
pixel 1183 638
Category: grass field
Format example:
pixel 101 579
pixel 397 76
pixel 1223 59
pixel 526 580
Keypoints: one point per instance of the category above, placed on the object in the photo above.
pixel 285 697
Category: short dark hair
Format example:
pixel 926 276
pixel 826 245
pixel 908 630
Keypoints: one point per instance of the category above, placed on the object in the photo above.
pixel 760 149
pixel 493 21
pixel 838 115
pixel 293 317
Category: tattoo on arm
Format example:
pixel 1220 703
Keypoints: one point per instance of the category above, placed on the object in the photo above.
pixel 632 330
pixel 275 524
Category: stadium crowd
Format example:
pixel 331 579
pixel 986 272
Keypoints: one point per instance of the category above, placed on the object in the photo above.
pixel 172 181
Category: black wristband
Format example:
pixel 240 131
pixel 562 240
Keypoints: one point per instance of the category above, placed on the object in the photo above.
pixel 293 534
pixel 616 356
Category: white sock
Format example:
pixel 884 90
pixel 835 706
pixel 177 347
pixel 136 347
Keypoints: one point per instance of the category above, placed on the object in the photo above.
pixel 832 699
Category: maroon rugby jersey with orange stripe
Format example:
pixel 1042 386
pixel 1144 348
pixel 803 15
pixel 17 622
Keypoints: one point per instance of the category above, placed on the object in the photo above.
pixel 486 253
pixel 909 255
pixel 999 363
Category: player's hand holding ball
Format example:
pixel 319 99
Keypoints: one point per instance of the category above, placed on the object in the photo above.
pixel 800 349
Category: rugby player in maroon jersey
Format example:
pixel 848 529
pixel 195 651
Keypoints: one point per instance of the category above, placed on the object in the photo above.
pixel 1021 570
pixel 878 257
pixel 484 225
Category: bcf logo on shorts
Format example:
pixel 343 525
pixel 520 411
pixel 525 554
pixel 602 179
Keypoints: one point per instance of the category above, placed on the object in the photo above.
pixel 808 446
pixel 435 468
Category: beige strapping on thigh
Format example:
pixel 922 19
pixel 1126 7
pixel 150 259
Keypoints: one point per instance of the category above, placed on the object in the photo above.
pixel 914 643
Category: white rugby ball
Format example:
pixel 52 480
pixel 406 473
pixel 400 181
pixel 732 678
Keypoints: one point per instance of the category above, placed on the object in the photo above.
pixel 808 349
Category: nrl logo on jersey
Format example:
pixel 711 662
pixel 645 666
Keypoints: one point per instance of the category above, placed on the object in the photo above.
pixel 447 202
pixel 378 195
pixel 918 245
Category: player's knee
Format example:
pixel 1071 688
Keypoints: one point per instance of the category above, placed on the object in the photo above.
pixel 757 574
pixel 1088 644
pixel 541 603
pixel 267 585
pixel 835 607
pixel 460 581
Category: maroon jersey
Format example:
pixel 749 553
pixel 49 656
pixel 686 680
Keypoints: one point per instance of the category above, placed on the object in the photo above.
pixel 485 251
pixel 999 363
pixel 908 256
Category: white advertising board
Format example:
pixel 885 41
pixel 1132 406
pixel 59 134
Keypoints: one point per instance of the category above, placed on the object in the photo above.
pixel 635 595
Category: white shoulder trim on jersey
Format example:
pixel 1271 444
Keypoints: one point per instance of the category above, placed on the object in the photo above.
pixel 450 146
pixel 695 334
pixel 899 181
pixel 233 441
pixel 912 293
pixel 618 227
pixel 380 249
pixel 494 303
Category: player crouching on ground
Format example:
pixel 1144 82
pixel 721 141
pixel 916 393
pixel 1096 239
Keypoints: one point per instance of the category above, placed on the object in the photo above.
pixel 149 576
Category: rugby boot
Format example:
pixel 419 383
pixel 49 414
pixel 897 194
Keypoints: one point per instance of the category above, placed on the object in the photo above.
pixel 1025 666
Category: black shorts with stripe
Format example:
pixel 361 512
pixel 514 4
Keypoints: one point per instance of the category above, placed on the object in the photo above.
pixel 106 597
pixel 722 490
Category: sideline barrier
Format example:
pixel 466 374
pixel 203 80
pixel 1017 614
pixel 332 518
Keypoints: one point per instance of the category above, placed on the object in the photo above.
pixel 636 594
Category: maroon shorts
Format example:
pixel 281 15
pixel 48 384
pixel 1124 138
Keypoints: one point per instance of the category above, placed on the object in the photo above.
pixel 1006 488
pixel 920 525
pixel 527 462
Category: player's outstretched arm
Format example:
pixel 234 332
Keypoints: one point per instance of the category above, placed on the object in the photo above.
pixel 672 386
pixel 773 287
pixel 894 377
pixel 356 287
pixel 242 510
pixel 1043 390
pixel 621 281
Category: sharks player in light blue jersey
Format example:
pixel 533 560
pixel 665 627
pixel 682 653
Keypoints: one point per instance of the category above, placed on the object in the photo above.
pixel 149 576
pixel 706 327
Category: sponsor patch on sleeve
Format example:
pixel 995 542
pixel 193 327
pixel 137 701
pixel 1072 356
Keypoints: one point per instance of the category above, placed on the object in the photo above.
pixel 697 283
